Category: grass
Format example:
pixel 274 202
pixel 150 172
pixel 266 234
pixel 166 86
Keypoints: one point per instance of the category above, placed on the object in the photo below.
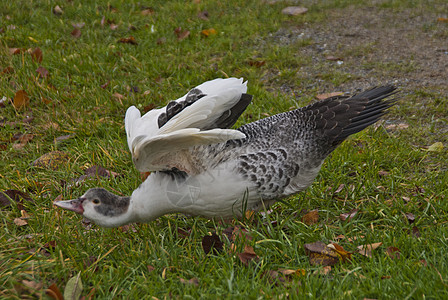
pixel 115 262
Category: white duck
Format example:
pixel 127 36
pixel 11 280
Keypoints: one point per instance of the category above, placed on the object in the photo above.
pixel 200 167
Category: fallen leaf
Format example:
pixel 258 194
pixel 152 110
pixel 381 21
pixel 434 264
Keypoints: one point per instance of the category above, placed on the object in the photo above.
pixel 329 95
pixel 74 288
pixel 410 217
pixel 247 255
pixel 366 250
pixel 14 51
pixel 294 10
pixel 21 99
pixel 36 55
pixel 20 222
pixel 393 252
pixel 51 160
pixel 100 171
pixel 150 268
pixel 54 292
pixel 443 20
pixel 181 34
pixel 256 63
pixel 348 215
pixel 161 41
pixel 311 217
pixel 203 15
pixel 118 97
pixel 113 26
pixel 64 137
pixel 57 10
pixel 416 231
pixel 148 107
pixel 147 11
pixel 78 25
pixel 208 32
pixel 212 243
pixel 8 70
pixel 325 270
pixel 333 58
pixel 32 284
pixel 103 86
pixel 399 126
pixel 129 40
pixel 193 281
pixel 16 196
pixel 344 255
pixel 436 147
pixel 319 254
pixel 76 33
pixel 22 141
pixel 339 189
pixel 383 173
pixel 42 72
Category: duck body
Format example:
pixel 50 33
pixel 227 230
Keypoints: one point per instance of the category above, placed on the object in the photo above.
pixel 218 172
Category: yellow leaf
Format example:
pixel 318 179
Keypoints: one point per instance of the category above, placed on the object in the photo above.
pixel 33 39
pixel 21 99
pixel 436 147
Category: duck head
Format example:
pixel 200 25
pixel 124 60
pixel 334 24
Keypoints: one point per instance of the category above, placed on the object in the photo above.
pixel 100 206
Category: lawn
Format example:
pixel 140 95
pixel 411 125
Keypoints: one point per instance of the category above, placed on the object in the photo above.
pixel 70 69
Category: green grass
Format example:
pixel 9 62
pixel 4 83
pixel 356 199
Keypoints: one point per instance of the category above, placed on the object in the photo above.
pixel 72 101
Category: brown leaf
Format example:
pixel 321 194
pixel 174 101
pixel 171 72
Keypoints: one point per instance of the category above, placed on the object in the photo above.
pixel 183 35
pixel 348 215
pixel 14 51
pixel 150 268
pixel 324 271
pixel 100 171
pixel 393 252
pixel 148 107
pixel 23 140
pixel 51 160
pixel 8 70
pixel 32 284
pixel 240 233
pixel 21 99
pixel 410 217
pixel 442 20
pixel 383 173
pixel 212 243
pixel 57 10
pixel 42 72
pixel 320 254
pixel 103 86
pixel 161 41
pixel 20 222
pixel 129 40
pixel 203 15
pixel 76 33
pixel 193 281
pixel 16 196
pixel 294 10
pixel 147 11
pixel 333 58
pixel 208 32
pixel 36 55
pixel 183 233
pixel 416 231
pixel 256 63
pixel 328 95
pixel 247 255
pixel 54 292
pixel 311 217
pixel 344 255
pixel 366 250
pixel 113 26
pixel 339 189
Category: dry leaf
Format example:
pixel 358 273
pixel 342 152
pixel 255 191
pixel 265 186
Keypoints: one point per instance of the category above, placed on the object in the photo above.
pixel 328 95
pixel 8 70
pixel 416 232
pixel 113 26
pixel 14 51
pixel 36 55
pixel 32 284
pixel 16 196
pixel 129 40
pixel 21 99
pixel 366 250
pixel 393 252
pixel 333 58
pixel 42 72
pixel 399 126
pixel 247 255
pixel 57 10
pixel 51 160
pixel 294 10
pixel 344 255
pixel 320 254
pixel 23 140
pixel 383 173
pixel 78 25
pixel 203 15
pixel 410 217
pixel 147 11
pixel 20 222
pixel 323 271
pixel 76 33
pixel 348 215
pixel 208 32
pixel 311 217
pixel 212 243
pixel 193 281
pixel 443 20
pixel 256 63
pixel 54 292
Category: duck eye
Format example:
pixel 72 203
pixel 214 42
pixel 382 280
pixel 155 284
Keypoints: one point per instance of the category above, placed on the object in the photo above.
pixel 96 201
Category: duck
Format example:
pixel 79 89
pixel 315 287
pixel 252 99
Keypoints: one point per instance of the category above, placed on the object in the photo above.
pixel 200 166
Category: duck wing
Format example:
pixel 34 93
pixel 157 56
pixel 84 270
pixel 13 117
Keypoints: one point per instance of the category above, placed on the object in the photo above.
pixel 159 139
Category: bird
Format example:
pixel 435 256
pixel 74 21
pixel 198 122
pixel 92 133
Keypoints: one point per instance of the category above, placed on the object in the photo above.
pixel 201 167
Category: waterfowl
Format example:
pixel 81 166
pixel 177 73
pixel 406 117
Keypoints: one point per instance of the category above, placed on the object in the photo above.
pixel 202 167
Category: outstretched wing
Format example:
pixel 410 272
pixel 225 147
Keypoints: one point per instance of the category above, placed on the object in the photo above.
pixel 203 116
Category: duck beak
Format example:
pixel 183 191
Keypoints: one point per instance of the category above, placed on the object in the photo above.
pixel 73 205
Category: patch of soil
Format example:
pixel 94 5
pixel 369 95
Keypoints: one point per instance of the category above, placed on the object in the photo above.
pixel 374 46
